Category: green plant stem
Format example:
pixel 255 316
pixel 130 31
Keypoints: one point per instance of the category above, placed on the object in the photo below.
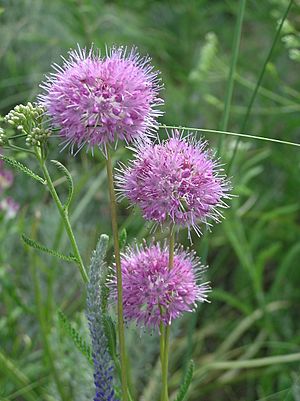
pixel 260 78
pixel 64 216
pixel 231 77
pixel 162 343
pixel 165 366
pixel 51 276
pixel 43 324
pixel 121 334
pixel 165 343
pixel 19 149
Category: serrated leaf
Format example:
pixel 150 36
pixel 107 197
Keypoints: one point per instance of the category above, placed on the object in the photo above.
pixel 182 393
pixel 68 176
pixel 34 244
pixel 77 339
pixel 21 167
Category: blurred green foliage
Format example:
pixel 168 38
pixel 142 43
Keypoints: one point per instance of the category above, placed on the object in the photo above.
pixel 253 255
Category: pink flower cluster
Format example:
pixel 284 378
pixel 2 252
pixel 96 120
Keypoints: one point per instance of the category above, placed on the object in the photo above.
pixel 153 293
pixel 178 182
pixel 95 100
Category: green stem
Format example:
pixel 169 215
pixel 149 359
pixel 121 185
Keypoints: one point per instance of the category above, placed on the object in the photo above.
pixel 16 136
pixel 52 272
pixel 230 82
pixel 113 209
pixel 171 246
pixel 64 216
pixel 165 342
pixel 162 343
pixel 165 366
pixel 19 149
pixel 260 78
pixel 43 326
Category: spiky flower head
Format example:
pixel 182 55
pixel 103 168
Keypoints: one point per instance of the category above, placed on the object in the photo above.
pixel 153 293
pixel 176 181
pixel 96 100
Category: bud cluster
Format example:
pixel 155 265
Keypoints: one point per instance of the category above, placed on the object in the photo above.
pixel 36 136
pixel 28 119
pixel 3 138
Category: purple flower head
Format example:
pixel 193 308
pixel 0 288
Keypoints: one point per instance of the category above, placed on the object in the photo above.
pixel 175 181
pixel 95 100
pixel 153 293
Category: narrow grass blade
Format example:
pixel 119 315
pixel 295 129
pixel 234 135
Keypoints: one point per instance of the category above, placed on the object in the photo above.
pixel 231 77
pixel 10 369
pixel 249 136
pixel 259 81
pixel 255 363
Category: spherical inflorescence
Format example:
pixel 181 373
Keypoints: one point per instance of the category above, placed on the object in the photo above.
pixel 153 293
pixel 175 181
pixel 95 100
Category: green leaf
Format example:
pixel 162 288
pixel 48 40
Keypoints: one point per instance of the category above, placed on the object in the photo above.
pixel 123 238
pixel 110 333
pixel 32 243
pixel 288 262
pixel 79 342
pixel 68 176
pixel 182 393
pixel 104 293
pixel 21 167
pixel 99 269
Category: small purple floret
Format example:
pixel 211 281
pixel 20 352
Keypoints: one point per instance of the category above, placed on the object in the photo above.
pixel 95 100
pixel 175 181
pixel 153 293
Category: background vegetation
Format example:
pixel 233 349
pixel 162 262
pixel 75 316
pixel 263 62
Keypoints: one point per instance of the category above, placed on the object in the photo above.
pixel 253 255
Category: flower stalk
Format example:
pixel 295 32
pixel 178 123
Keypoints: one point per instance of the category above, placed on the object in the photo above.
pixel 121 334
pixel 64 215
pixel 165 332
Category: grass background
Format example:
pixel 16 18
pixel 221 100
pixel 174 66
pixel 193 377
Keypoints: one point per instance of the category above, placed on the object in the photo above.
pixel 253 255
